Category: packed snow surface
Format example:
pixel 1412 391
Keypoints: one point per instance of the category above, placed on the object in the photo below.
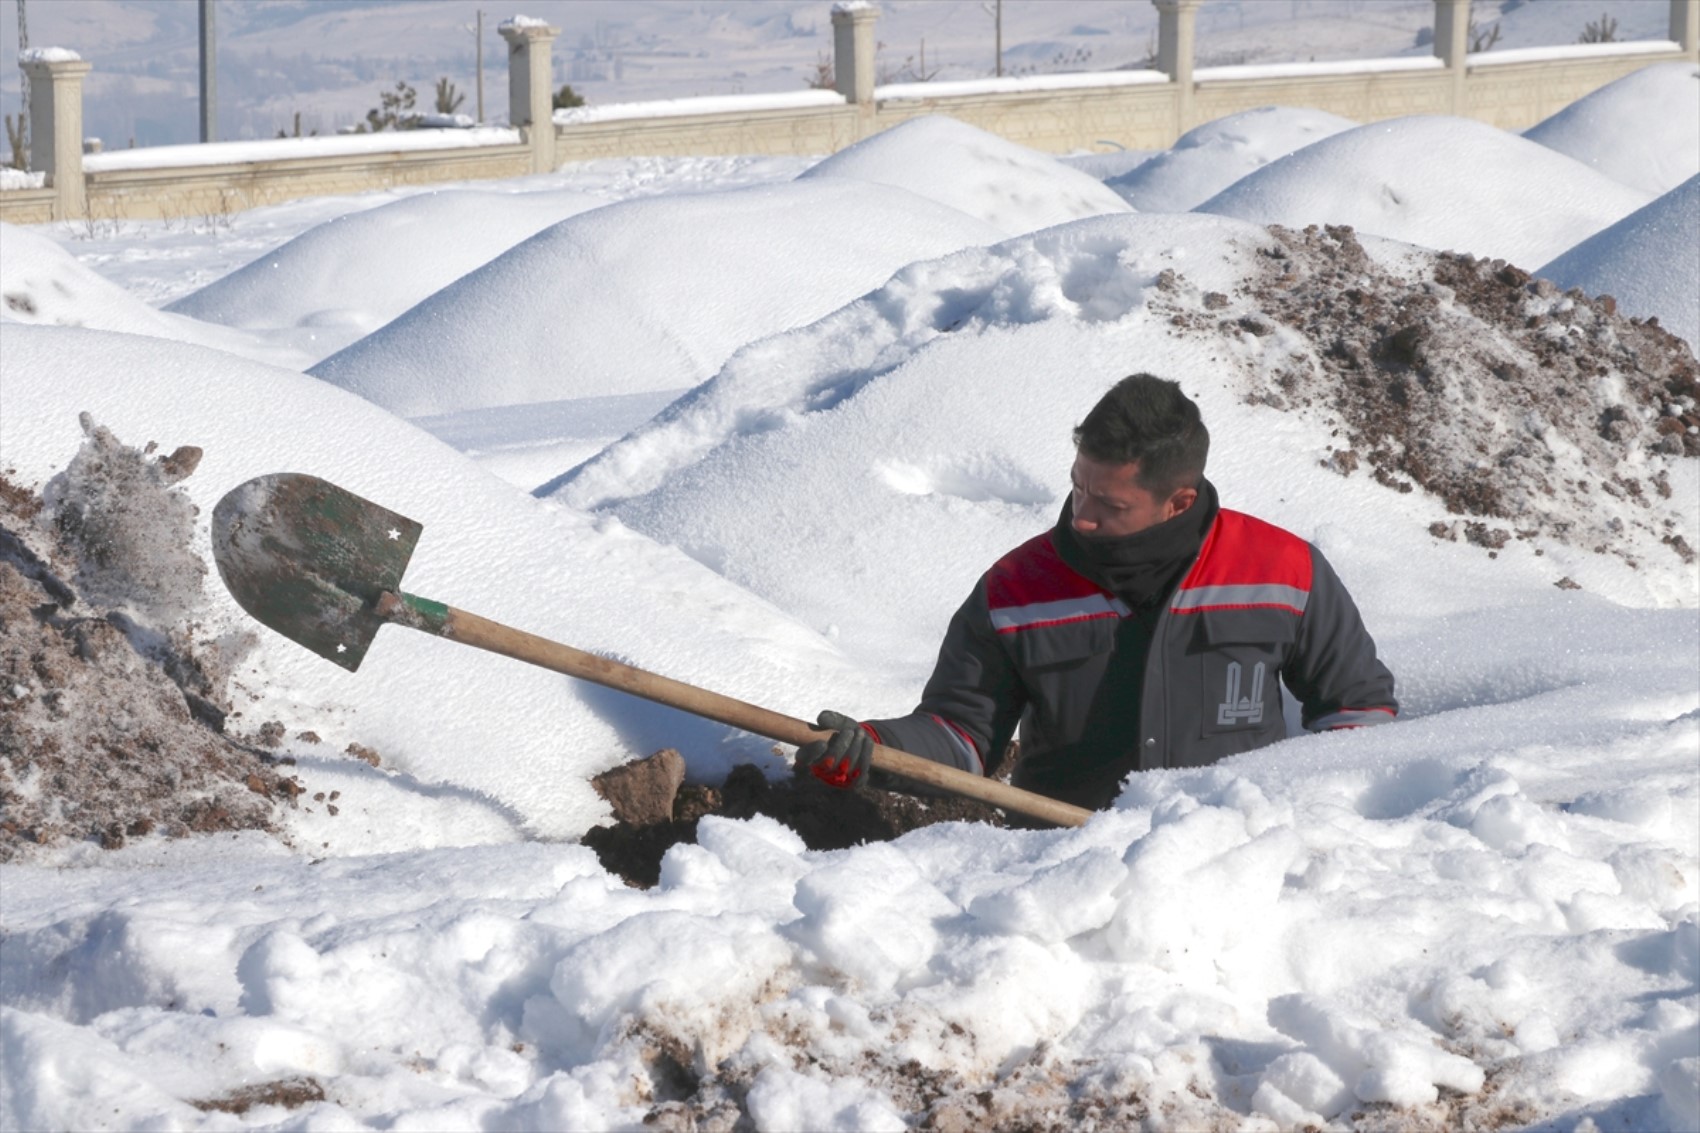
pixel 1661 152
pixel 1209 158
pixel 644 295
pixel 1640 262
pixel 1011 187
pixel 1485 915
pixel 1444 183
pixel 341 280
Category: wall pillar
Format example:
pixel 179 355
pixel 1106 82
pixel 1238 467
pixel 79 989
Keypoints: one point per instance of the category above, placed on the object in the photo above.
pixel 55 76
pixel 1452 46
pixel 853 50
pixel 1685 25
pixel 1177 22
pixel 531 91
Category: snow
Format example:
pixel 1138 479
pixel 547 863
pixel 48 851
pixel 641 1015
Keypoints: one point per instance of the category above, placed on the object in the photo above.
pixel 341 280
pixel 1485 915
pixel 1208 158
pixel 285 149
pixel 48 55
pixel 1441 182
pixel 1008 186
pixel 1633 262
pixel 1657 157
pixel 1330 67
pixel 708 104
pixel 542 309
pixel 1018 84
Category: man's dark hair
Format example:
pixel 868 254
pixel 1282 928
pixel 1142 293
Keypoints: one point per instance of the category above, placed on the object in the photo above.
pixel 1147 420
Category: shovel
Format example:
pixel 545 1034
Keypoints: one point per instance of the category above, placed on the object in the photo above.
pixel 323 567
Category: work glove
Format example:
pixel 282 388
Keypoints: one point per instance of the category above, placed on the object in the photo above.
pixel 841 760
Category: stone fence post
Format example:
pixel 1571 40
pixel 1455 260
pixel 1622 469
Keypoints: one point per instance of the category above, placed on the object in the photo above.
pixel 853 50
pixel 531 91
pixel 1177 23
pixel 55 77
pixel 1452 46
pixel 1685 25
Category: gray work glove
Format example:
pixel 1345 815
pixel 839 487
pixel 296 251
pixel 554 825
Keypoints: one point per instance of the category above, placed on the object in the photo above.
pixel 843 759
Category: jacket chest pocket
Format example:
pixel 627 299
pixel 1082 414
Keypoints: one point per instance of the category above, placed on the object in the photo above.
pixel 1065 646
pixel 1238 661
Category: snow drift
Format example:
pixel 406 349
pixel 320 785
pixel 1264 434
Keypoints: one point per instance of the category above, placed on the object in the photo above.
pixel 345 278
pixel 1639 261
pixel 1208 158
pixel 644 295
pixel 1010 187
pixel 1658 152
pixel 1444 183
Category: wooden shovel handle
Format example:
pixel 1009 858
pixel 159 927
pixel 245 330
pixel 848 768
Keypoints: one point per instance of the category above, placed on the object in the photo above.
pixel 470 629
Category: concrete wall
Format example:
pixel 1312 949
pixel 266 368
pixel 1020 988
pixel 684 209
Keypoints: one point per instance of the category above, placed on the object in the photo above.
pixel 1140 111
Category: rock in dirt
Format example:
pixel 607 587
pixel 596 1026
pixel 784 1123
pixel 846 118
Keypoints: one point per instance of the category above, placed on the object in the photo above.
pixel 642 792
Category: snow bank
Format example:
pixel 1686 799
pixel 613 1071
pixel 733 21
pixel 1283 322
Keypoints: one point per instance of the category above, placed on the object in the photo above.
pixel 1011 187
pixel 1444 183
pixel 1209 158
pixel 44 285
pixel 1345 929
pixel 1642 129
pixel 1640 262
pixel 644 295
pixel 932 419
pixel 343 279
pixel 517 743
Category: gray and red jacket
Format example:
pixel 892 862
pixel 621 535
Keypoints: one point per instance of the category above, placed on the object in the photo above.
pixel 1035 646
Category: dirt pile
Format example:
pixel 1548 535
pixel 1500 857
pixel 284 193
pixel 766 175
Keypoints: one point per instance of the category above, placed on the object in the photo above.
pixel 1528 412
pixel 654 810
pixel 114 701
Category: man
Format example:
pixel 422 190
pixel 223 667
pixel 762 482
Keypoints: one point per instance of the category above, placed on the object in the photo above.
pixel 1149 628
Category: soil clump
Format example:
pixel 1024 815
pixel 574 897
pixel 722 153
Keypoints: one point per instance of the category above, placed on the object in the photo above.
pixel 826 818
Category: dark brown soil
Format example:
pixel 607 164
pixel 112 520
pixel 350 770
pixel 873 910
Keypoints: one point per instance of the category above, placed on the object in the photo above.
pixel 290 1093
pixel 827 818
pixel 1526 411
pixel 113 724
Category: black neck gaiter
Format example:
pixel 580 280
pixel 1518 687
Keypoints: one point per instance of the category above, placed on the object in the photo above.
pixel 1140 569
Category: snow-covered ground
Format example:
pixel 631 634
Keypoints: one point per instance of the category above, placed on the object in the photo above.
pixel 1485 915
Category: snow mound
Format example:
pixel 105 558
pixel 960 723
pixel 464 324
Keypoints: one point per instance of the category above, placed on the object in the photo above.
pixel 44 285
pixel 645 295
pixel 422 704
pixel 911 418
pixel 1443 183
pixel 1638 262
pixel 1209 158
pixel 1642 130
pixel 347 277
pixel 1011 187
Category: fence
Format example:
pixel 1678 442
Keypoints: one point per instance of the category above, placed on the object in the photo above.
pixel 1132 109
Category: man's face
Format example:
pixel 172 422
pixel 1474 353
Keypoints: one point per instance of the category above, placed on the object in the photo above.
pixel 1108 503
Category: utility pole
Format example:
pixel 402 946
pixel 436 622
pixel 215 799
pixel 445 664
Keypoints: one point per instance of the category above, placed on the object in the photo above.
pixel 997 19
pixel 209 75
pixel 481 66
pixel 21 138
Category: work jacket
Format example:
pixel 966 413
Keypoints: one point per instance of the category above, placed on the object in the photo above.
pixel 1034 644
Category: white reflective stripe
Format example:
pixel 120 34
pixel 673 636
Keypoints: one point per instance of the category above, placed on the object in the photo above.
pixel 1069 609
pixel 1352 718
pixel 1254 594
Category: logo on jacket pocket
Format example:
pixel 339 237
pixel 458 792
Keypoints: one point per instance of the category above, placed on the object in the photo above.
pixel 1236 708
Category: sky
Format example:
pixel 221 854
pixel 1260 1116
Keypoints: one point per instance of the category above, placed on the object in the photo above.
pixel 1488 912
pixel 328 60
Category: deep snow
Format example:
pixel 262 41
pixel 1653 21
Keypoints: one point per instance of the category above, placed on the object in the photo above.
pixel 1488 913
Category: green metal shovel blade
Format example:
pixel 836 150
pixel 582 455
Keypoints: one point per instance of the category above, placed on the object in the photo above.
pixel 309 559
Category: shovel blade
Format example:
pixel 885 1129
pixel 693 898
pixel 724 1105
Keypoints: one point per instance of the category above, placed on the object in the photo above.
pixel 309 560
